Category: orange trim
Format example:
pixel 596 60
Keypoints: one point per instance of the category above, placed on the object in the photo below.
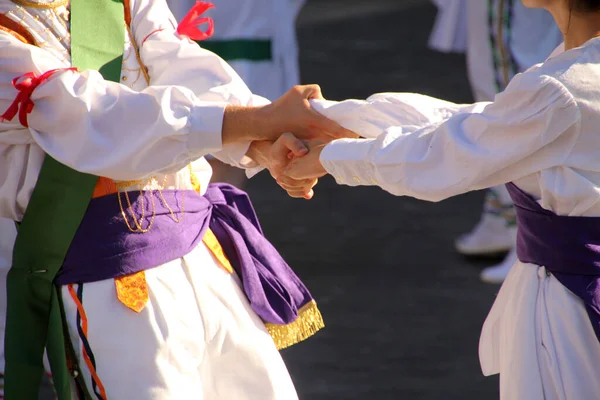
pixel 127 7
pixel 20 38
pixel 15 29
pixel 104 186
pixel 84 328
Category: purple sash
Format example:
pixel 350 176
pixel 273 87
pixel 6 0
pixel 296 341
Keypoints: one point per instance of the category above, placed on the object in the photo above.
pixel 569 247
pixel 104 248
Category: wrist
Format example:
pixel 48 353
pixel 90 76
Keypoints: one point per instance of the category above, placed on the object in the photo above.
pixel 269 126
pixel 246 124
pixel 319 150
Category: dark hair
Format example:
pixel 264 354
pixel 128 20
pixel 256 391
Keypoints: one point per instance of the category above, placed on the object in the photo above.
pixel 584 5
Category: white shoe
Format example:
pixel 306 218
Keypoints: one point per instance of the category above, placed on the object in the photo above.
pixel 498 273
pixel 490 236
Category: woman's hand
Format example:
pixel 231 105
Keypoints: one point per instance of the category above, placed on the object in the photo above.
pixel 276 157
pixel 308 166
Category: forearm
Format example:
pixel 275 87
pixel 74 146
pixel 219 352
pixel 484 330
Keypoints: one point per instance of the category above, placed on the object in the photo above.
pixel 247 124
pixel 237 154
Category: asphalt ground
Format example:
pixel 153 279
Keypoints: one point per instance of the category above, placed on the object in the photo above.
pixel 403 310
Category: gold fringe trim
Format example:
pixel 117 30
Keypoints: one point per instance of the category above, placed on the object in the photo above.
pixel 309 322
pixel 123 184
pixel 46 5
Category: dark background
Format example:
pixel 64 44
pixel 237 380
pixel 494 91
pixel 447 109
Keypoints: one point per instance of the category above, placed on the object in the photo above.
pixel 403 310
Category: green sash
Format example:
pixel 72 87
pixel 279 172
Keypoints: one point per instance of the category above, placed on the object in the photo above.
pixel 56 208
pixel 240 49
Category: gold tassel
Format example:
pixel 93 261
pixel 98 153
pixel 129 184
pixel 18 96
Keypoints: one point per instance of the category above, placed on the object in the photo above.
pixel 309 322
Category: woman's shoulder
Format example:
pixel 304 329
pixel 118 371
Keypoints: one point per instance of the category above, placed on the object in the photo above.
pixel 540 90
pixel 571 73
pixel 576 69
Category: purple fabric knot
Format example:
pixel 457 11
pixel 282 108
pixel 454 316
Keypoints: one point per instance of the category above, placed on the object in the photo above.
pixel 569 247
pixel 104 248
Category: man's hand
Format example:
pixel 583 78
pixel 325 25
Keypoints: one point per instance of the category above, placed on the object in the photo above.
pixel 277 156
pixel 290 113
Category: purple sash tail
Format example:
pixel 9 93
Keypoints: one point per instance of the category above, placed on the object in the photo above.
pixel 569 248
pixel 104 248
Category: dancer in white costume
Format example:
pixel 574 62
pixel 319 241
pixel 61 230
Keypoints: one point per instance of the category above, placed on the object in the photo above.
pixel 449 33
pixel 501 38
pixel 543 332
pixel 196 333
pixel 258 39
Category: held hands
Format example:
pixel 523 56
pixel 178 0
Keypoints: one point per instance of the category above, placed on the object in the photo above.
pixel 296 165
pixel 291 158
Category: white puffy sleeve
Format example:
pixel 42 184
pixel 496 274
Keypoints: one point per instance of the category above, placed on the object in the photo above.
pixel 407 111
pixel 531 126
pixel 175 60
pixel 95 126
pixel 105 128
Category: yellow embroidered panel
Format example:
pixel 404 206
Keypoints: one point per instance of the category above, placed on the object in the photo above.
pixel 210 240
pixel 132 290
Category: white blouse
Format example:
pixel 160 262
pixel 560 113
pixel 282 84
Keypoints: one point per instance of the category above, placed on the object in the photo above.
pixel 542 133
pixel 125 131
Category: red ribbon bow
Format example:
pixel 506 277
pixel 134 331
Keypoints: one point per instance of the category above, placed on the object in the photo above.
pixel 189 24
pixel 26 84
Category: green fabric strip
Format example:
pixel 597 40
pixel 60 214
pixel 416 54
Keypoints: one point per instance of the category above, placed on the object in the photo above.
pixel 56 208
pixel 95 45
pixel 240 49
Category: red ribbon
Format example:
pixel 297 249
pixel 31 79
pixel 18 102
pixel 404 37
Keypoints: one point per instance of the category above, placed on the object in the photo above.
pixel 189 24
pixel 26 84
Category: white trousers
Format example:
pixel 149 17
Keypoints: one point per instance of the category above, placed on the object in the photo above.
pixel 539 338
pixel 197 338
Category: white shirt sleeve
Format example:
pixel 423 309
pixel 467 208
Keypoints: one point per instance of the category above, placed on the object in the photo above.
pixel 530 127
pixel 175 60
pixel 407 111
pixel 104 128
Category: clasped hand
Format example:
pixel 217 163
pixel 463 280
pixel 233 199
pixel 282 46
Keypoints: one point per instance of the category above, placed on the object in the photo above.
pixel 294 163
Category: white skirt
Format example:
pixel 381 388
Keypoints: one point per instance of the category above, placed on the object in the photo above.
pixel 538 336
pixel 196 338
